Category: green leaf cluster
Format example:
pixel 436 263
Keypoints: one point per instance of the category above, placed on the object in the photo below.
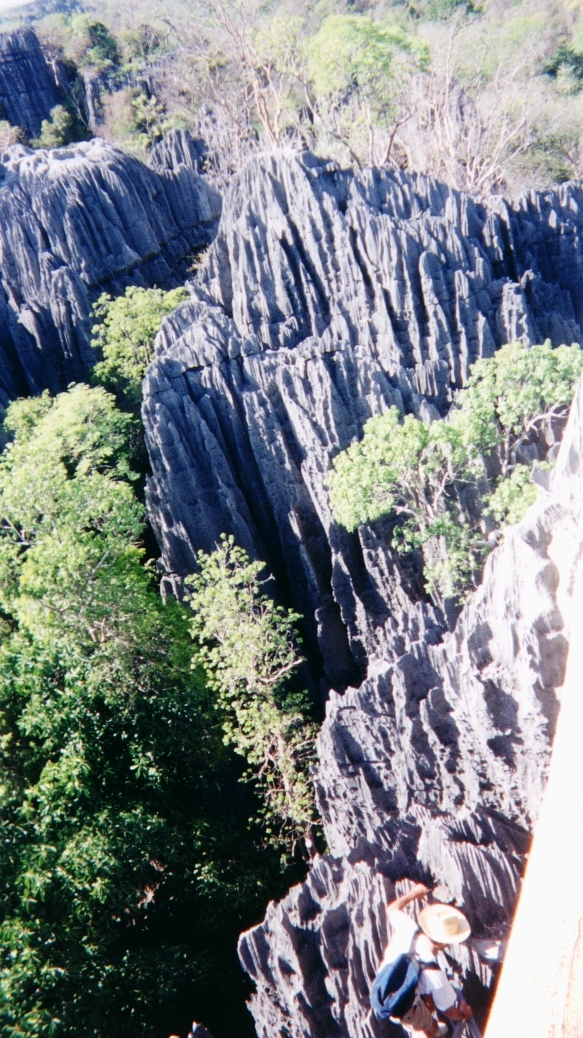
pixel 124 332
pixel 441 480
pixel 90 42
pixel 126 863
pixel 248 645
pixel 353 53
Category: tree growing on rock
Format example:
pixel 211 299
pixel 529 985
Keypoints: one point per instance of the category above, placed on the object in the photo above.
pixel 125 331
pixel 443 481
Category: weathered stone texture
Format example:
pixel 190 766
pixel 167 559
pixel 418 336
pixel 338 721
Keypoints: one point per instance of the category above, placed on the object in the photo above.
pixel 28 89
pixel 75 222
pixel 328 296
pixel 434 768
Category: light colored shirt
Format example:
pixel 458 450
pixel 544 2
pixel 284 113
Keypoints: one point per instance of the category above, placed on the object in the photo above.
pixel 431 981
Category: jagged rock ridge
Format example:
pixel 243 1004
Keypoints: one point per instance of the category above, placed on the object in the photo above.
pixel 327 297
pixel 28 89
pixel 441 782
pixel 75 222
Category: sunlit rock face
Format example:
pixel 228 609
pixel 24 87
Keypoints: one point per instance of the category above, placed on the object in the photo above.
pixel 75 222
pixel 435 768
pixel 28 89
pixel 327 297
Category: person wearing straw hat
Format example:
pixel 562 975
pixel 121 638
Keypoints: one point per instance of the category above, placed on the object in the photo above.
pixel 439 926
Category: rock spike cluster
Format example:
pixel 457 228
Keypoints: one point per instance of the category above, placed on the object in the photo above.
pixel 327 297
pixel 75 222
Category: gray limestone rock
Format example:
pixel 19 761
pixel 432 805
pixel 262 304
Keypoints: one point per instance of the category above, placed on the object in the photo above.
pixel 178 149
pixel 28 89
pixel 327 297
pixel 433 768
pixel 75 222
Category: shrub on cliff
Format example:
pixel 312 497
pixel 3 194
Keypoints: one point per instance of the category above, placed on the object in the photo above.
pixel 126 865
pixel 442 480
pixel 124 331
pixel 63 127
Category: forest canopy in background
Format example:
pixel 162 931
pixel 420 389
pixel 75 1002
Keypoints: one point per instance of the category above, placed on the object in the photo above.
pixel 485 96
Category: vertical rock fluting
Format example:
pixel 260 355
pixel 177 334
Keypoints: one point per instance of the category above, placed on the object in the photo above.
pixel 434 768
pixel 28 89
pixel 75 222
pixel 327 297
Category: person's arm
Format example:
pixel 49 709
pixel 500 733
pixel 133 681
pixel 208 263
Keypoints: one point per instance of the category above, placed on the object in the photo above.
pixel 419 890
pixel 460 1012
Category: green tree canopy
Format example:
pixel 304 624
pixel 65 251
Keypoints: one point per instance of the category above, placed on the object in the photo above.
pixel 126 864
pixel 440 480
pixel 248 645
pixel 125 330
pixel 351 52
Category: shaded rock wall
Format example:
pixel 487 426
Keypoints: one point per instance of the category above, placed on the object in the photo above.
pixel 441 778
pixel 28 89
pixel 75 222
pixel 327 297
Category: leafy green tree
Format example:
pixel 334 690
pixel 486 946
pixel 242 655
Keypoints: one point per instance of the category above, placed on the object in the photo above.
pixel 126 867
pixel 125 331
pixel 89 42
pixel 56 131
pixel 358 68
pixel 412 470
pixel 517 394
pixel 248 645
pixel 440 480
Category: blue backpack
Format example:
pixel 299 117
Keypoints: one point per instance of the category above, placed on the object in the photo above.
pixel 395 985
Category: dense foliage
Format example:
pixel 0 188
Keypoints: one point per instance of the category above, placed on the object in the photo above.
pixel 126 862
pixel 249 646
pixel 441 481
pixel 124 332
pixel 485 95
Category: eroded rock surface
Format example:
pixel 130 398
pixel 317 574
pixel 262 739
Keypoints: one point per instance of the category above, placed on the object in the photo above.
pixel 434 768
pixel 75 222
pixel 327 297
pixel 28 89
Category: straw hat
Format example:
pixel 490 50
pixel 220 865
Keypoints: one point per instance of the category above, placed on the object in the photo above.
pixel 444 924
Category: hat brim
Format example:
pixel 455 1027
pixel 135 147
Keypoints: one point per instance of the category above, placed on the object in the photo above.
pixel 432 928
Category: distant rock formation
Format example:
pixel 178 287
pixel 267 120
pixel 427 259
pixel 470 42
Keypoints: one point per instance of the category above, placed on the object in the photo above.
pixel 178 149
pixel 328 296
pixel 28 89
pixel 76 222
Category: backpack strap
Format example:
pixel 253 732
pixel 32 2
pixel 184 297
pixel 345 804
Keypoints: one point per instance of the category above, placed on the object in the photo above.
pixel 423 966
